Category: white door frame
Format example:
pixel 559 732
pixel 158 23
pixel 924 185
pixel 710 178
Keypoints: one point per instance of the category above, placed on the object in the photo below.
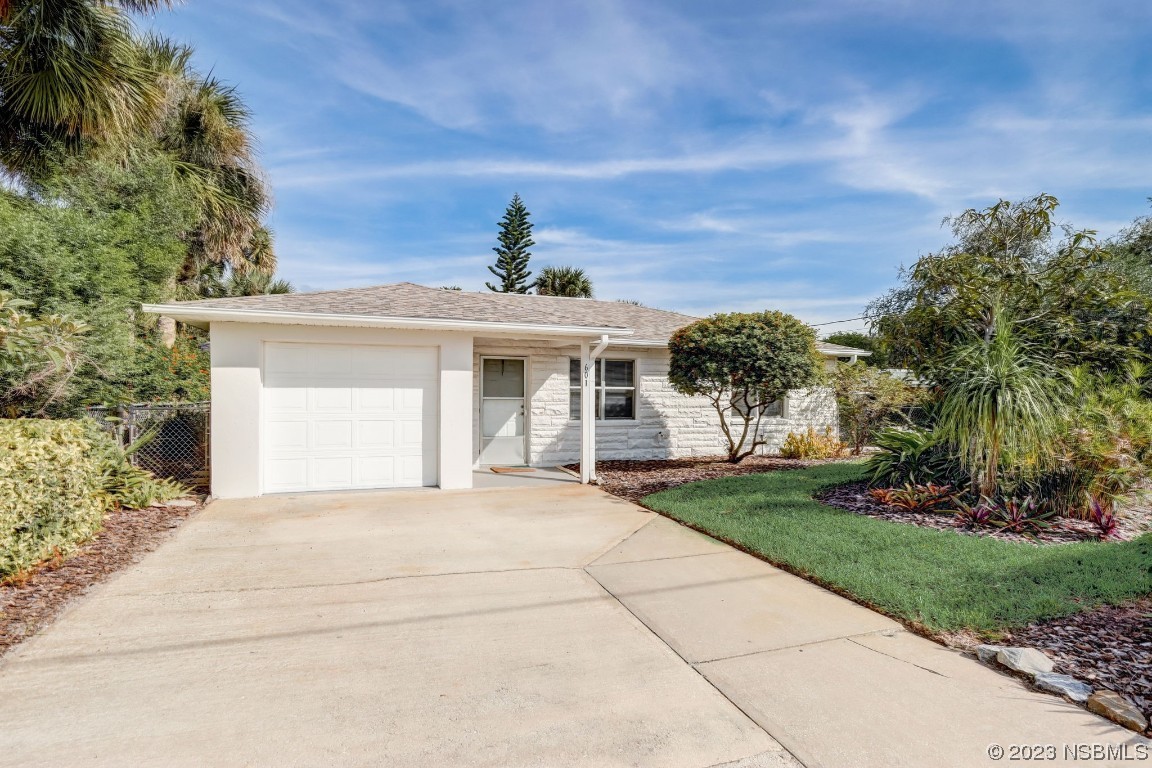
pixel 524 404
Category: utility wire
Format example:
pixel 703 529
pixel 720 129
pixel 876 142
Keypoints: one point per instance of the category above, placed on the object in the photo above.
pixel 849 320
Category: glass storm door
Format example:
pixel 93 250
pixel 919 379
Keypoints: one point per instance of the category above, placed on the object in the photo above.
pixel 502 411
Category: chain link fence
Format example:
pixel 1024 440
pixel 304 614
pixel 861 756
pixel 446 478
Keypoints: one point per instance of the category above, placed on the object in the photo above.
pixel 177 438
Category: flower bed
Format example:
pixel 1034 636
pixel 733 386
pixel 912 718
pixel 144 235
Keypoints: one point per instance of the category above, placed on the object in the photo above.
pixel 854 497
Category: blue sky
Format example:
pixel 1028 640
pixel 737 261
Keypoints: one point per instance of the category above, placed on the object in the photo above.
pixel 695 156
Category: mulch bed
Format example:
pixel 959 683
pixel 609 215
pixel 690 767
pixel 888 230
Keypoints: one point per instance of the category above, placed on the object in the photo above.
pixel 854 497
pixel 1109 647
pixel 31 603
pixel 633 480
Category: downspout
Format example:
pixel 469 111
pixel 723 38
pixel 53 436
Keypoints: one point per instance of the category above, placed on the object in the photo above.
pixel 588 359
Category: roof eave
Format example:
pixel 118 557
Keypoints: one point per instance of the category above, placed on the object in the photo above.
pixel 204 316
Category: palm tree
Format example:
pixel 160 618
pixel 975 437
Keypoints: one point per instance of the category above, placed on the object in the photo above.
pixel 70 71
pixel 1001 407
pixel 204 128
pixel 563 281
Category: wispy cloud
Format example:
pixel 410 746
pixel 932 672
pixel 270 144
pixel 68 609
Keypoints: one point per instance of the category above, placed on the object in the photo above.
pixel 699 157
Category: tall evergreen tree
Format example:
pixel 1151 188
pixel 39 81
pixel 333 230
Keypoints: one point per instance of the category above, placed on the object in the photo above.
pixel 512 254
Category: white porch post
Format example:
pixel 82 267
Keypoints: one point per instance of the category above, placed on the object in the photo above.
pixel 587 414
pixel 588 359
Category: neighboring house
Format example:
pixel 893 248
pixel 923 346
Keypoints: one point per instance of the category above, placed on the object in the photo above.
pixel 404 385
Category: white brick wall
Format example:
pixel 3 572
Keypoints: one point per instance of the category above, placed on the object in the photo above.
pixel 668 424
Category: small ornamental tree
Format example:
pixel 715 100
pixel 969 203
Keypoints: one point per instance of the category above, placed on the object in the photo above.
pixel 512 254
pixel 743 362
pixel 870 399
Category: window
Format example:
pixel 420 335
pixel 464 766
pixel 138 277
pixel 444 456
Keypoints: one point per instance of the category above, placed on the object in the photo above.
pixel 775 409
pixel 615 389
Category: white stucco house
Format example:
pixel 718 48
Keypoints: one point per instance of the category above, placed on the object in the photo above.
pixel 404 385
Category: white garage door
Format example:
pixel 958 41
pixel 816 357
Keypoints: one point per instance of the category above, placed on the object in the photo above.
pixel 343 416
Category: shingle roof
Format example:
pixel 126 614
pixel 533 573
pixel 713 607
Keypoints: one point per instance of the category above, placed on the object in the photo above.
pixel 418 301
pixel 409 300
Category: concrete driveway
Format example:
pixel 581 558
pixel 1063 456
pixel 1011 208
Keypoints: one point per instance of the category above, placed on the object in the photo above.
pixel 550 626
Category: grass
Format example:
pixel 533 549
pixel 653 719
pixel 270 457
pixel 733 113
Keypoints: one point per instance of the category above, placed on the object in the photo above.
pixel 941 580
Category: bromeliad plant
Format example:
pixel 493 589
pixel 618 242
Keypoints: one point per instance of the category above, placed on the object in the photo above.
pixel 916 498
pixel 1023 515
pixel 1104 519
pixel 978 515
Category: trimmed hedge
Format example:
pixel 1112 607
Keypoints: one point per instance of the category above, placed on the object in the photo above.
pixel 52 493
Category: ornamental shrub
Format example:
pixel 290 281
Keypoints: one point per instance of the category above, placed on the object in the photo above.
pixel 57 479
pixel 743 362
pixel 812 445
pixel 51 491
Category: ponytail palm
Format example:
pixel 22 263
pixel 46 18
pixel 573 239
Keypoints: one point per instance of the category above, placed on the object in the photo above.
pixel 1001 408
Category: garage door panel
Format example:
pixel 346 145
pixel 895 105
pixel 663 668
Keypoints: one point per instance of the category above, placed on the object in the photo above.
pixel 284 474
pixel 288 435
pixel 286 398
pixel 331 359
pixel 329 435
pixel 343 416
pixel 410 470
pixel 376 399
pixel 331 471
pixel 287 359
pixel 379 471
pixel 376 434
pixel 411 433
pixel 410 400
pixel 396 362
pixel 332 399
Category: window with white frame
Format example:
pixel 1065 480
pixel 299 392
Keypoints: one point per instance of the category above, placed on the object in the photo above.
pixel 615 389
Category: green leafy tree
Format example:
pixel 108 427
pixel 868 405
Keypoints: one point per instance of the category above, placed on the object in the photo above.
pixel 742 362
pixel 512 255
pixel 870 399
pixel 1063 294
pixel 563 281
pixel 38 356
pixel 865 341
pixel 94 242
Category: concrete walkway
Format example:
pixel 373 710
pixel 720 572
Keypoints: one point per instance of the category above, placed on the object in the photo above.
pixel 551 626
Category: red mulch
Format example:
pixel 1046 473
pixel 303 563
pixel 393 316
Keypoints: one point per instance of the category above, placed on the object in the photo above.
pixel 633 480
pixel 854 498
pixel 31 603
pixel 1109 647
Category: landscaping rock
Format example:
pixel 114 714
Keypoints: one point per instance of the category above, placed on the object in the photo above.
pixel 1027 660
pixel 1109 647
pixel 181 503
pixel 987 653
pixel 1064 685
pixel 1117 709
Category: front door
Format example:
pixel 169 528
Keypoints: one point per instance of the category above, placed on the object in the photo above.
pixel 502 411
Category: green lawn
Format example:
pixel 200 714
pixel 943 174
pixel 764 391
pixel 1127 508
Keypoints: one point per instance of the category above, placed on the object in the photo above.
pixel 940 579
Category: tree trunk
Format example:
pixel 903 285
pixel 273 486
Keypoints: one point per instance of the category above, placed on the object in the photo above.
pixel 167 328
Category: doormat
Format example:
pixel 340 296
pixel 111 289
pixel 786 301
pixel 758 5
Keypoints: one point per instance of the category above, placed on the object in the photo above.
pixel 509 470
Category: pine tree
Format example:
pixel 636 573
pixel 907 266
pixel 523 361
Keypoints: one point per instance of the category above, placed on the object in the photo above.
pixel 512 254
